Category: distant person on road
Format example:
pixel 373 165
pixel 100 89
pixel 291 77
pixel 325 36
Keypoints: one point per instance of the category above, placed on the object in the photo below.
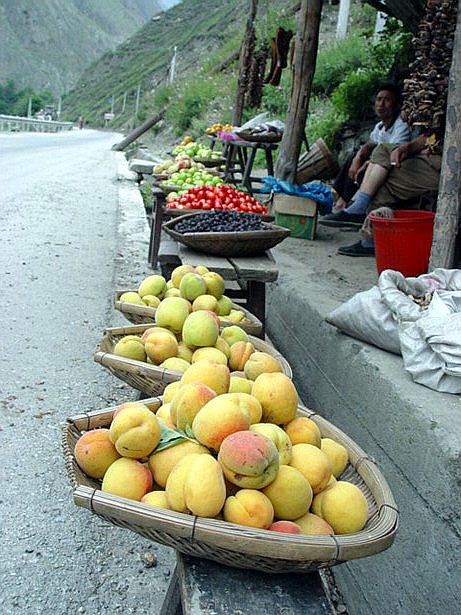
pixel 80 122
pixel 391 128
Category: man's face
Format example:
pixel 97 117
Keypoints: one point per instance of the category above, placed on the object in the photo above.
pixel 385 105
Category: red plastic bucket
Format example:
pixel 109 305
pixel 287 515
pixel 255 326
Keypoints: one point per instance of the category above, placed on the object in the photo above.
pixel 403 243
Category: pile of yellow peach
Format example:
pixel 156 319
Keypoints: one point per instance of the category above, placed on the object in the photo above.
pixel 228 447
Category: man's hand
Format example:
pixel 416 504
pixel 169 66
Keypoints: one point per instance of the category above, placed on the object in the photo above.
pixel 399 154
pixel 355 168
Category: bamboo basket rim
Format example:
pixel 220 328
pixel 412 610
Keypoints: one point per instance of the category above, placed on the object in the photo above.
pixel 154 372
pixel 253 323
pixel 202 535
pixel 230 243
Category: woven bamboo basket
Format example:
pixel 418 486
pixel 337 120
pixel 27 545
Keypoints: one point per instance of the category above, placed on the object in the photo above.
pixel 268 137
pixel 173 212
pixel 148 378
pixel 235 545
pixel 234 243
pixel 140 314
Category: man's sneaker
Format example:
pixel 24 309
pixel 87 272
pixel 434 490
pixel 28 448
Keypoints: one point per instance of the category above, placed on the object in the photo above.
pixel 342 218
pixel 356 249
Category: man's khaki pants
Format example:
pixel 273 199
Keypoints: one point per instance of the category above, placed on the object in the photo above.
pixel 415 176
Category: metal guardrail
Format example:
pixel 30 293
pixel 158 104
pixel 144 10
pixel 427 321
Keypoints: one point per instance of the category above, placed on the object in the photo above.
pixel 11 123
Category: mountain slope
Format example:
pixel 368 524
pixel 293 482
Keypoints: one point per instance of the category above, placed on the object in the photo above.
pixel 194 28
pixel 46 44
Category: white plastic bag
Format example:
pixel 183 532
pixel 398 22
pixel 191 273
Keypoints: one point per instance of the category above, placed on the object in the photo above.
pixel 431 346
pixel 428 340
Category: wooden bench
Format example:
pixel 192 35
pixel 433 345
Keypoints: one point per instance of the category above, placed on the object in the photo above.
pixel 247 275
pixel 203 587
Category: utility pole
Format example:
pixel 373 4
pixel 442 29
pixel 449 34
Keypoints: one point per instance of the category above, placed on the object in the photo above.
pixel 58 112
pixel 173 66
pixel 124 103
pixel 112 98
pixel 138 93
pixel 29 107
pixel 379 25
pixel 343 18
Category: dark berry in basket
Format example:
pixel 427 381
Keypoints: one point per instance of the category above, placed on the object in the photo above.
pixel 219 222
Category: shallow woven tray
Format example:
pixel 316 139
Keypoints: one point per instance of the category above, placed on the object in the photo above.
pixel 236 545
pixel 255 138
pixel 174 212
pixel 140 314
pixel 234 243
pixel 209 162
pixel 148 378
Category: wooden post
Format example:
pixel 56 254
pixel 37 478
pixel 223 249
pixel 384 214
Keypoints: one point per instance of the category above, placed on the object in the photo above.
pixel 118 147
pixel 307 38
pixel 138 93
pixel 124 103
pixel 246 51
pixel 447 218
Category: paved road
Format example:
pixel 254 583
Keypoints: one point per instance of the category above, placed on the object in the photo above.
pixel 63 250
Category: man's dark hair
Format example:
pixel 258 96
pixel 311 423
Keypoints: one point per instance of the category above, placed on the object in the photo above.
pixel 390 86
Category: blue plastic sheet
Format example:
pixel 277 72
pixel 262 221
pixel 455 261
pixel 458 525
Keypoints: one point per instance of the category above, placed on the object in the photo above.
pixel 317 191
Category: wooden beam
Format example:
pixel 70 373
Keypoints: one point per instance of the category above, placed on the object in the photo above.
pixel 305 56
pixel 246 52
pixel 137 132
pixel 447 218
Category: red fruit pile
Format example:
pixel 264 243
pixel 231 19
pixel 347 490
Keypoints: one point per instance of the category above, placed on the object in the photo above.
pixel 217 198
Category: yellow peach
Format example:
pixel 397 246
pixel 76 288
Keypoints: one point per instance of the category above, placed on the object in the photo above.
pixel 160 346
pixel 156 498
pixel 279 438
pixel 130 347
pixel 303 430
pixel 127 478
pixel 209 353
pixel 220 417
pixel 278 397
pixel 313 464
pixel 214 375
pixel 337 454
pixel 290 494
pixel 161 463
pixel 205 302
pixel 249 507
pixel 238 384
pixel 240 352
pixel 135 431
pixel 170 391
pixel 94 452
pixel 344 507
pixel 312 524
pixel 187 402
pixel 261 363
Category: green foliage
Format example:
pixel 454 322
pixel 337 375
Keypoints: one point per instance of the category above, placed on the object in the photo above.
pixel 144 189
pixel 353 97
pixel 324 122
pixel 16 102
pixel 337 60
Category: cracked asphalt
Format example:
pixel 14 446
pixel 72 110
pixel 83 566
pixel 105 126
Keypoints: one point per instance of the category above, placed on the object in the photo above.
pixel 71 233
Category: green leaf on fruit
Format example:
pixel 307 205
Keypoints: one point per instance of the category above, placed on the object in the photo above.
pixel 172 437
pixel 189 432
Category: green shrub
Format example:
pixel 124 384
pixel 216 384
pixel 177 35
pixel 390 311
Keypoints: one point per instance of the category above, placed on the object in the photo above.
pixel 324 122
pixel 354 96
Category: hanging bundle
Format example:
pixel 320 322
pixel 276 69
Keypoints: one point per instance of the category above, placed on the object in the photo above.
pixel 280 46
pixel 256 76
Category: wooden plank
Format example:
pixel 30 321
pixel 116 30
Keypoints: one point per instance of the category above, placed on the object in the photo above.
pixel 449 201
pixel 214 263
pixel 260 268
pixel 208 588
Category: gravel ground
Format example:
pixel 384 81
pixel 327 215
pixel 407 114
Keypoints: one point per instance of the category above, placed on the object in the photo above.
pixel 67 243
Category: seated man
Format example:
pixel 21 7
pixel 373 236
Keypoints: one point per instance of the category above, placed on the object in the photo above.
pixel 395 173
pixel 390 129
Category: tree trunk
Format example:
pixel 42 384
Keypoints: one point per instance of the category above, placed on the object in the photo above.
pixel 246 51
pixel 305 56
pixel 449 201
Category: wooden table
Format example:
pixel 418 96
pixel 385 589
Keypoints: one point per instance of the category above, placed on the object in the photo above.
pixel 240 156
pixel 203 587
pixel 248 275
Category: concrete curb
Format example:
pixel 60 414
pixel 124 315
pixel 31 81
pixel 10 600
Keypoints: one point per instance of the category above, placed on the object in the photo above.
pixel 412 432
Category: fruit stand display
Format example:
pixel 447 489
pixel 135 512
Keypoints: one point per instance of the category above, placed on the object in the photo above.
pixel 227 464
